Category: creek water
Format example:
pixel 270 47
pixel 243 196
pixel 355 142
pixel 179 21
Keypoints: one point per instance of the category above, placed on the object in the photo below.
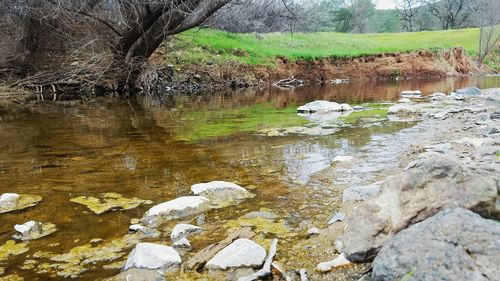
pixel 156 148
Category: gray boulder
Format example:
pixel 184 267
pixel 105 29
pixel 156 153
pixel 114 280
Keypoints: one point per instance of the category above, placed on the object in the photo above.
pixel 468 92
pixel 455 244
pixel 320 106
pixel 437 183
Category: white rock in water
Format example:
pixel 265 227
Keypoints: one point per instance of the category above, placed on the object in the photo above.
pixel 153 256
pixel 344 159
pixel 345 107
pixel 404 100
pixel 136 227
pixel 313 231
pixel 182 243
pixel 319 106
pixel 9 197
pixel 26 228
pixel 329 265
pixel 415 94
pixel 177 208
pixel 221 193
pixel 183 230
pixel 242 253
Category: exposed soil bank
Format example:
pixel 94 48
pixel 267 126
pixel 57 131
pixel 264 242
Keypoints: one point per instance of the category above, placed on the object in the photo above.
pixel 418 64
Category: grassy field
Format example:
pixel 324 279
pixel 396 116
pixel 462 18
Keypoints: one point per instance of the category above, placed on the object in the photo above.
pixel 207 45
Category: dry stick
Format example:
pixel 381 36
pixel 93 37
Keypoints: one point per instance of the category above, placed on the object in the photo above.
pixel 266 269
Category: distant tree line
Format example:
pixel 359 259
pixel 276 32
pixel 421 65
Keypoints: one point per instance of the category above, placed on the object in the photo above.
pixel 354 16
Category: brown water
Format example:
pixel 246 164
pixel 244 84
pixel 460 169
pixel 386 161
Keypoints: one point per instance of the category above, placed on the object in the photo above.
pixel 156 148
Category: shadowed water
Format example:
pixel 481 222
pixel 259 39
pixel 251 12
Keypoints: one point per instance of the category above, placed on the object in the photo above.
pixel 156 148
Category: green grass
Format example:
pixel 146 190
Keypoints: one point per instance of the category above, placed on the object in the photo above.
pixel 207 45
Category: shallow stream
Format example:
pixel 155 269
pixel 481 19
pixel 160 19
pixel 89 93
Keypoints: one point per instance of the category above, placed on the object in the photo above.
pixel 156 148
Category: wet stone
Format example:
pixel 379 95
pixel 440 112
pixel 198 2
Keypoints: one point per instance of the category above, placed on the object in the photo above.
pixel 33 230
pixel 109 201
pixel 221 193
pixel 183 230
pixel 12 201
pixel 174 209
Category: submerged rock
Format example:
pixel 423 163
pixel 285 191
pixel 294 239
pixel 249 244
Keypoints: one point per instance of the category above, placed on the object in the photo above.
pixel 454 244
pixel 242 253
pixel 183 230
pixel 221 193
pixel 11 248
pixel 341 158
pixel 33 230
pixel 174 209
pixel 109 201
pixel 153 256
pixel 468 92
pixel 320 106
pixel 439 182
pixel 12 201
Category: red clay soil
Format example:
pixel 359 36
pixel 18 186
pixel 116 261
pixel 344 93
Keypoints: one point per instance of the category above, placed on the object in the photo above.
pixel 419 64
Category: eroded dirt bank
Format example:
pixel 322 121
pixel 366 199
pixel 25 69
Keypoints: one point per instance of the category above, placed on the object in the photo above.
pixel 418 64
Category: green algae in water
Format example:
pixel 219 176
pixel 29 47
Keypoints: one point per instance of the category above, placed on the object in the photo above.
pixel 24 201
pixel 109 201
pixel 82 258
pixel 262 225
pixel 11 248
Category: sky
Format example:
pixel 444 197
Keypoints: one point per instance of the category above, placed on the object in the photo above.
pixel 385 4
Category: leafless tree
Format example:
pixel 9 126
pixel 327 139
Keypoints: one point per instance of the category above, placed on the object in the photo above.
pixel 116 35
pixel 452 14
pixel 488 15
pixel 409 11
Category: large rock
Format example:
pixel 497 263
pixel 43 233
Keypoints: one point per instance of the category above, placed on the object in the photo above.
pixel 221 193
pixel 454 244
pixel 175 209
pixel 320 106
pixel 242 253
pixel 437 183
pixel 10 202
pixel 153 256
pixel 468 92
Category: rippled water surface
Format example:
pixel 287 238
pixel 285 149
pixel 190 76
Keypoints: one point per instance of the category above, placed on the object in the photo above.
pixel 156 148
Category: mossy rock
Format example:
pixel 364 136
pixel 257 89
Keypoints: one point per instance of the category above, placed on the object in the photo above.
pixel 24 201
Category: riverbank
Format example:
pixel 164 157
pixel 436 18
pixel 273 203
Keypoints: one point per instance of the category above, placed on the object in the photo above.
pixel 214 57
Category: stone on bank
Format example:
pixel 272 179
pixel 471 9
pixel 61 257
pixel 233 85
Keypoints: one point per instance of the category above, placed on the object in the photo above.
pixel 455 244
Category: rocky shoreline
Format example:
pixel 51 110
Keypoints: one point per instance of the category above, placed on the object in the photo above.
pixel 436 217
